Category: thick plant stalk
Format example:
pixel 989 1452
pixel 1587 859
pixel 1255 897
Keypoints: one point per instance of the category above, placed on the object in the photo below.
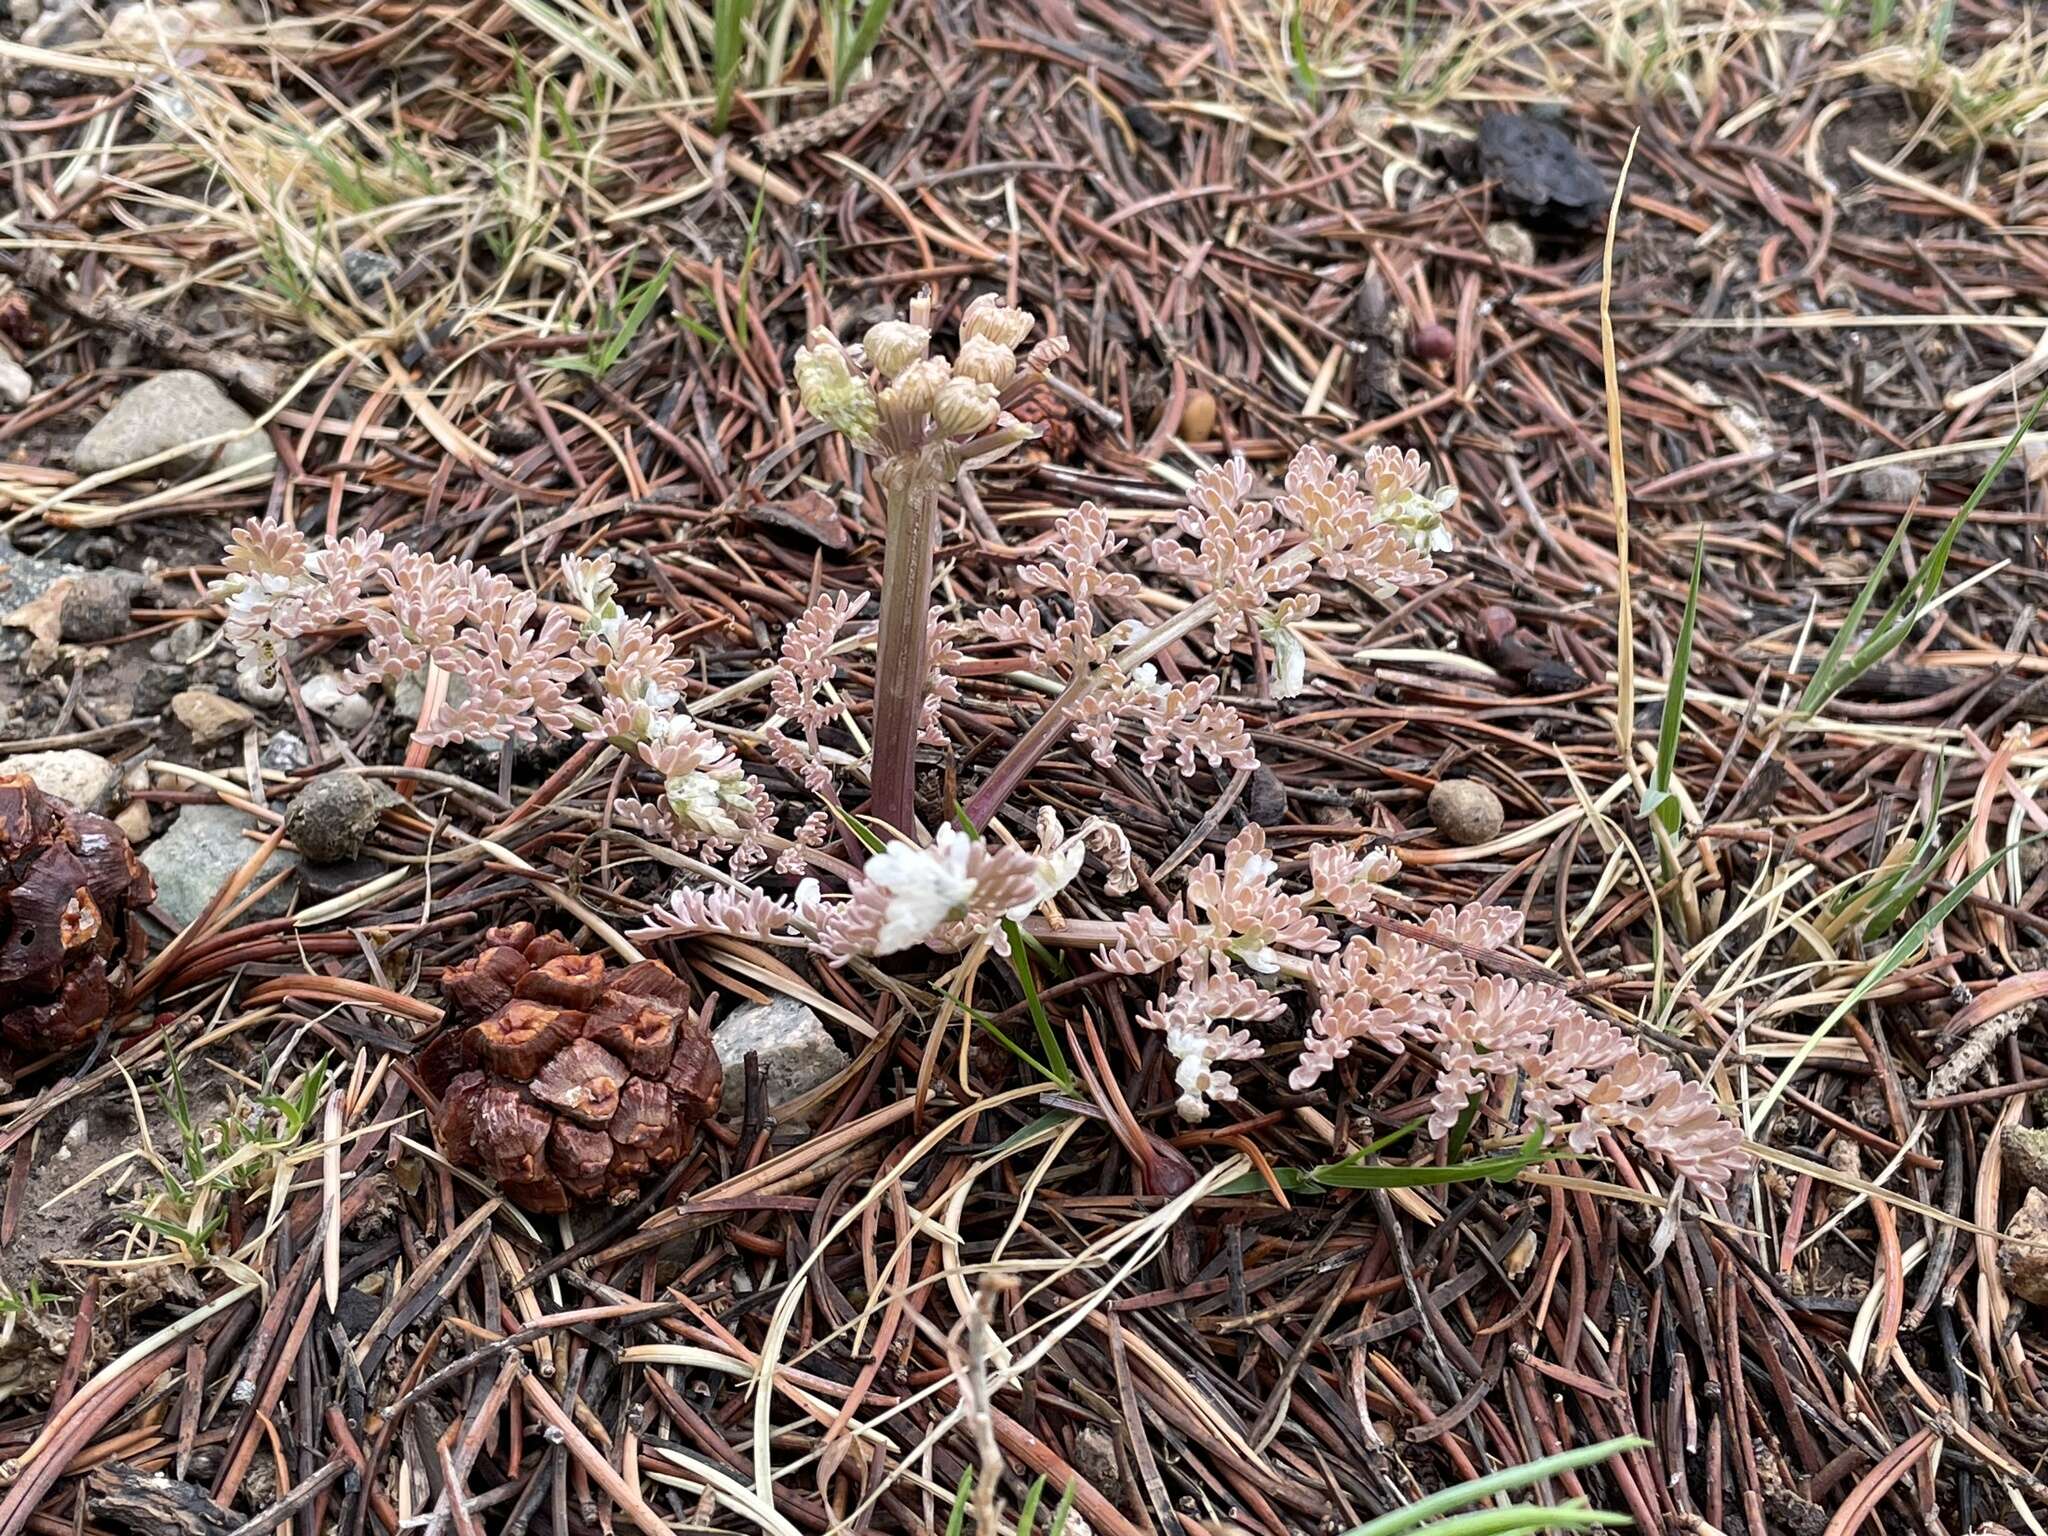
pixel 902 649
pixel 1051 728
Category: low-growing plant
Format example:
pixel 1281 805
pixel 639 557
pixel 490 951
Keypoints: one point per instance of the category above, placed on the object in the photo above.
pixel 240 1149
pixel 618 323
pixel 1240 949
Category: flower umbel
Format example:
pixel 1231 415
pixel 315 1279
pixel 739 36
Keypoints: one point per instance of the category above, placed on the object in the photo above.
pixel 958 887
pixel 924 420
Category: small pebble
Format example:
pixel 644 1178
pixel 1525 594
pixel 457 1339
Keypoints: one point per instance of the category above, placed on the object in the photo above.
pixel 332 817
pixel 181 644
pixel 95 606
pixel 209 717
pixel 201 849
pixel 325 697
pixel 286 753
pixel 796 1052
pixel 1465 811
pixel 134 822
pixel 1433 343
pixel 263 692
pixel 158 684
pixel 1265 798
pixel 1198 416
pixel 84 778
pixel 15 384
pixel 1893 484
pixel 171 412
pixel 2023 1257
pixel 1511 243
pixel 1539 170
pixel 366 272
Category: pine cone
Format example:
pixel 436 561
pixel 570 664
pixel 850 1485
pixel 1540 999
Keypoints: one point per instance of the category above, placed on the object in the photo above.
pixel 70 891
pixel 572 1081
pixel 1058 436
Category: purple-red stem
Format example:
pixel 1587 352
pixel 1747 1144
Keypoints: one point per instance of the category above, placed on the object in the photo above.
pixel 902 661
pixel 1050 728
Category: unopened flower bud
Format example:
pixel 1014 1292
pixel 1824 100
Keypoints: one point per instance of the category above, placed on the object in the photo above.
pixel 907 402
pixel 832 391
pixel 991 319
pixel 985 360
pixel 894 345
pixel 965 407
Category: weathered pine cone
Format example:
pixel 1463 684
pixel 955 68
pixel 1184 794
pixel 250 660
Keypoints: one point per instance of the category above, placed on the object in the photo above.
pixel 1058 435
pixel 70 937
pixel 568 1081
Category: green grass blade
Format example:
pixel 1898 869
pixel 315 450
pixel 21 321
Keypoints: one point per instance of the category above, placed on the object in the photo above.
pixel 1305 74
pixel 1048 1041
pixel 1907 610
pixel 1895 957
pixel 1065 1509
pixel 859 45
pixel 1819 686
pixel 728 53
pixel 1027 1515
pixel 1508 1480
pixel 1527 1520
pixel 640 303
pixel 1912 880
pixel 1658 800
pixel 984 1022
pixel 957 1520
pixel 1352 1174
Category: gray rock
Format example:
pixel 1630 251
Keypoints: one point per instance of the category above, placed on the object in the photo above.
pixel 1466 811
pixel 2023 1258
pixel 200 854
pixel 158 684
pixel 331 818
pixel 62 22
pixel 796 1052
pixel 25 577
pixel 323 695
pixel 1095 1458
pixel 286 753
pixel 84 778
pixel 96 605
pixel 171 411
pixel 15 384
pixel 323 882
pixel 366 272
pixel 1892 484
pixel 182 643
pixel 1510 242
pixel 209 717
pixel 263 692
pixel 409 695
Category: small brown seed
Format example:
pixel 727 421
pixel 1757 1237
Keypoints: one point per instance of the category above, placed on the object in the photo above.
pixel 1465 811
pixel 1198 416
pixel 1433 343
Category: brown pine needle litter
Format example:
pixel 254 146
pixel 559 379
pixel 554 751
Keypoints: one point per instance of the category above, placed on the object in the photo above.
pixel 487 280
